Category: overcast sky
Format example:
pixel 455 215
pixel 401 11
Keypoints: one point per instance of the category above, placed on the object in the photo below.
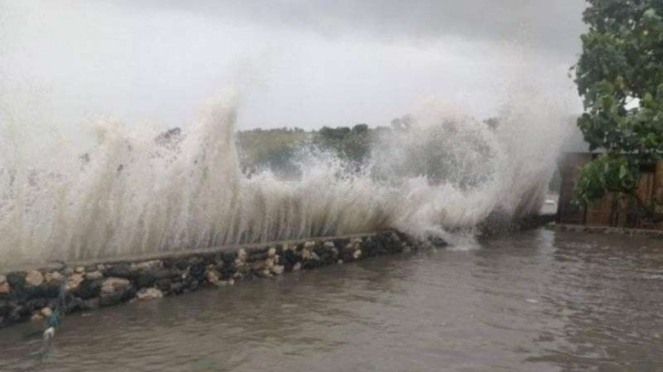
pixel 303 63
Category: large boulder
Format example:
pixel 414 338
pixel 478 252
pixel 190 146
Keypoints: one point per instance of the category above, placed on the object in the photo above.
pixel 164 285
pixel 149 294
pixel 16 279
pixel 116 290
pixel 94 275
pixel 197 271
pixel 34 279
pixel 73 281
pixel 77 304
pixel 145 279
pixel 54 277
pixel 89 288
pixel 5 288
pixel 122 270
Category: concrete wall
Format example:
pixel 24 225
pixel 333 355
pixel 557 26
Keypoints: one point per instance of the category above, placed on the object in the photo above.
pixel 36 293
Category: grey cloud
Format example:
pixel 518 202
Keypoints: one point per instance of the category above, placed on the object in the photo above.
pixel 155 60
pixel 550 25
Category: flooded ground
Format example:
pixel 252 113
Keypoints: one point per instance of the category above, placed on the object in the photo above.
pixel 533 301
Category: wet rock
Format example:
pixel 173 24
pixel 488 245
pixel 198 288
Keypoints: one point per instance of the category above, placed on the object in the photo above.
pixel 42 291
pixel 90 304
pixel 310 264
pixel 145 280
pixel 108 284
pixel 121 270
pixel 277 270
pixel 90 268
pixel 197 271
pixel 290 258
pixel 89 288
pixel 181 263
pixel 34 279
pixel 5 308
pixel 76 304
pixel 310 259
pixel 326 253
pixel 192 286
pixel 272 262
pixel 211 258
pixel 16 280
pixel 241 258
pixel 227 282
pixel 273 267
pixel 54 277
pixel 260 269
pixel 147 265
pixel 46 312
pixel 115 284
pixel 74 281
pixel 257 256
pixel 94 275
pixel 149 294
pixel 371 248
pixel 227 270
pixel 37 318
pixel 307 251
pixel 177 287
pixel 19 313
pixel 115 290
pixel 37 304
pixel 5 289
pixel 342 242
pixel 229 258
pixel 163 285
pixel 213 277
pixel 195 260
pixel 352 250
pixel 437 242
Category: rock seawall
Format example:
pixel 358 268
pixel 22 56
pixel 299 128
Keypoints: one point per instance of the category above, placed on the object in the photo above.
pixel 34 294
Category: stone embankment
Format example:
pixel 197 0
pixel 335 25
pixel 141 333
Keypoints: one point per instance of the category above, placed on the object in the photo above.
pixel 35 294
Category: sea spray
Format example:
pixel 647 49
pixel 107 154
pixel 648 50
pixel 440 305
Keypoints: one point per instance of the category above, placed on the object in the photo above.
pixel 131 194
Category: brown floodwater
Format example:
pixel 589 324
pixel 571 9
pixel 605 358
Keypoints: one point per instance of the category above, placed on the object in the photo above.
pixel 531 301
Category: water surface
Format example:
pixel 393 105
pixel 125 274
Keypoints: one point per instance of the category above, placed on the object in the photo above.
pixel 532 301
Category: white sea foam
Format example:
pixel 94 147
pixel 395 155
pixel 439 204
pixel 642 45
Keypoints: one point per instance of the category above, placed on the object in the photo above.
pixel 134 195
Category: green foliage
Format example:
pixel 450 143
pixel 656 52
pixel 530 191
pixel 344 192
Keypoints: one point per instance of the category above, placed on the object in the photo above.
pixel 274 149
pixel 277 149
pixel 620 77
pixel 606 174
pixel 352 145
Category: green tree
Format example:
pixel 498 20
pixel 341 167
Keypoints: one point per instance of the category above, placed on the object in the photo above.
pixel 349 144
pixel 620 77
